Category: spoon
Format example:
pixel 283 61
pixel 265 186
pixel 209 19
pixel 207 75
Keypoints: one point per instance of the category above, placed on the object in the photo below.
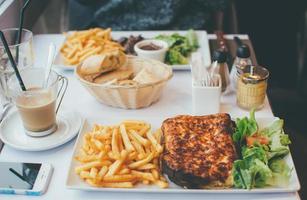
pixel 6 108
pixel 50 59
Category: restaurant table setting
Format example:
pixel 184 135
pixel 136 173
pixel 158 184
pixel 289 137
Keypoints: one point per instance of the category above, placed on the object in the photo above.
pixel 140 115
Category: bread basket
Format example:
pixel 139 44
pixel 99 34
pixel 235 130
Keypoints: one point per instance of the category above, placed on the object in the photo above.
pixel 131 97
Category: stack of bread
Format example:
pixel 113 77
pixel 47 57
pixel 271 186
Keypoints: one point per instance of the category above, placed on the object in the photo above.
pixel 118 80
pixel 111 68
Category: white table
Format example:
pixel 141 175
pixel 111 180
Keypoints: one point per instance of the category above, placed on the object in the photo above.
pixel 176 99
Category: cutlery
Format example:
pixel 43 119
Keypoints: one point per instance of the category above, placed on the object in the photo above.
pixel 6 108
pixel 51 55
pixel 201 75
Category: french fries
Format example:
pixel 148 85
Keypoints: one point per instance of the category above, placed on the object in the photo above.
pixel 121 156
pixel 81 44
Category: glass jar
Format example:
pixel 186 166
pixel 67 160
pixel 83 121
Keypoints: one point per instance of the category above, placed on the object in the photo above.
pixel 251 87
pixel 241 61
pixel 24 59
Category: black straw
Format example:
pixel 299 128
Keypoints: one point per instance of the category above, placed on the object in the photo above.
pixel 21 16
pixel 7 49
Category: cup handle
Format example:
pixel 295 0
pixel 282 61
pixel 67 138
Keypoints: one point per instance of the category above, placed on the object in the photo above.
pixel 62 91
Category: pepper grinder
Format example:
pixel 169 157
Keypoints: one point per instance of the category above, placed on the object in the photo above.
pixel 219 66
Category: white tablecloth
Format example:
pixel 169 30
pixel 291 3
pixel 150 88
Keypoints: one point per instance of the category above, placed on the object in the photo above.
pixel 176 99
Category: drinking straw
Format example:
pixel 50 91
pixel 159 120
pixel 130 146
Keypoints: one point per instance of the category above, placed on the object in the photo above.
pixel 21 26
pixel 7 49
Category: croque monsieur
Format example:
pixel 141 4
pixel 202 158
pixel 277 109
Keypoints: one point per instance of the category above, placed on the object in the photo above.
pixel 198 150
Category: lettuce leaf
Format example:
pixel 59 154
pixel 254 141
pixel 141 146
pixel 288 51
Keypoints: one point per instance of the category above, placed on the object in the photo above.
pixel 175 57
pixel 276 126
pixel 281 172
pixel 261 173
pixel 192 39
pixel 261 164
pixel 279 141
pixel 180 47
pixel 168 39
pixel 245 127
pixel 284 139
pixel 241 175
pixel 278 152
pixel 256 152
pixel 250 174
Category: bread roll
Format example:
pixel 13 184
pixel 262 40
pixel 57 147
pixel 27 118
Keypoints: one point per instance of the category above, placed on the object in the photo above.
pixel 98 64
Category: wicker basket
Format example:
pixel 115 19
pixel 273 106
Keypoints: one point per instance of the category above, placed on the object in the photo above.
pixel 131 97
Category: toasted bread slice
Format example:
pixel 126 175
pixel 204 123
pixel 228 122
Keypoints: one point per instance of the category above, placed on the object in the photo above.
pixel 145 76
pixel 198 150
pixel 119 74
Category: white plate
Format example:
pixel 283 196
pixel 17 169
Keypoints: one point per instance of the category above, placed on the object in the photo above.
pixel 12 132
pixel 74 182
pixel 201 35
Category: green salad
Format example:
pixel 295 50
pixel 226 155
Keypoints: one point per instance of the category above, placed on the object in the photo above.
pixel 261 153
pixel 180 47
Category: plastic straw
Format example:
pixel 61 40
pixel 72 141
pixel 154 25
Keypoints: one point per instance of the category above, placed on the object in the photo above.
pixel 7 49
pixel 21 16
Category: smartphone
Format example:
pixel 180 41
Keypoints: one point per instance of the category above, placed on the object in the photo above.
pixel 24 178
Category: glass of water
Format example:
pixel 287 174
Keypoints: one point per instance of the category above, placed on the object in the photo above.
pixel 22 53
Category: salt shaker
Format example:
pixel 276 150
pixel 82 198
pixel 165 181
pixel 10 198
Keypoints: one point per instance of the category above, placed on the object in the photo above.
pixel 241 61
pixel 219 66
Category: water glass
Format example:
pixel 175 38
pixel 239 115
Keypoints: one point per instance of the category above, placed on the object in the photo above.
pixel 22 53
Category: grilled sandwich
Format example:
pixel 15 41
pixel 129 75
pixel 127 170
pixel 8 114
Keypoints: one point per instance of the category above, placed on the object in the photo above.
pixel 198 150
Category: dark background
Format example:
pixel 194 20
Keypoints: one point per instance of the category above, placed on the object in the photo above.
pixel 276 29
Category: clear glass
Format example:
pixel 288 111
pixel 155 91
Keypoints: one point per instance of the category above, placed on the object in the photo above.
pixel 251 87
pixel 238 65
pixel 36 106
pixel 25 57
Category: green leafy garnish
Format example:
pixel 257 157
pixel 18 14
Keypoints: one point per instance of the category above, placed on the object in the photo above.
pixel 262 164
pixel 281 172
pixel 257 152
pixel 180 47
pixel 245 127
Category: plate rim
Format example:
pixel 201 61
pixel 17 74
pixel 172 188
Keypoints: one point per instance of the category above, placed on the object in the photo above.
pixel 29 149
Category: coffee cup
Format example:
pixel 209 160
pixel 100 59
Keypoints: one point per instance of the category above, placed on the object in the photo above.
pixel 38 105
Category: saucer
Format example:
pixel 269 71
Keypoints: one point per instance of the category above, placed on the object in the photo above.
pixel 13 133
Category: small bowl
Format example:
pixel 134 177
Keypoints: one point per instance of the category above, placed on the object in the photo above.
pixel 158 54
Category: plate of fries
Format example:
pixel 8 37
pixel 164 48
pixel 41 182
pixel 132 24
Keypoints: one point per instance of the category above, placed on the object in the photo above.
pixel 117 157
pixel 79 45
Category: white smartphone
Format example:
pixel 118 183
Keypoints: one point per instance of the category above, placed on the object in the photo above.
pixel 24 178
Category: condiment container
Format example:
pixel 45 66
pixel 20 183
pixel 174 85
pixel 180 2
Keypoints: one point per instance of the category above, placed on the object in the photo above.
pixel 219 66
pixel 241 61
pixel 157 54
pixel 251 87
pixel 206 98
